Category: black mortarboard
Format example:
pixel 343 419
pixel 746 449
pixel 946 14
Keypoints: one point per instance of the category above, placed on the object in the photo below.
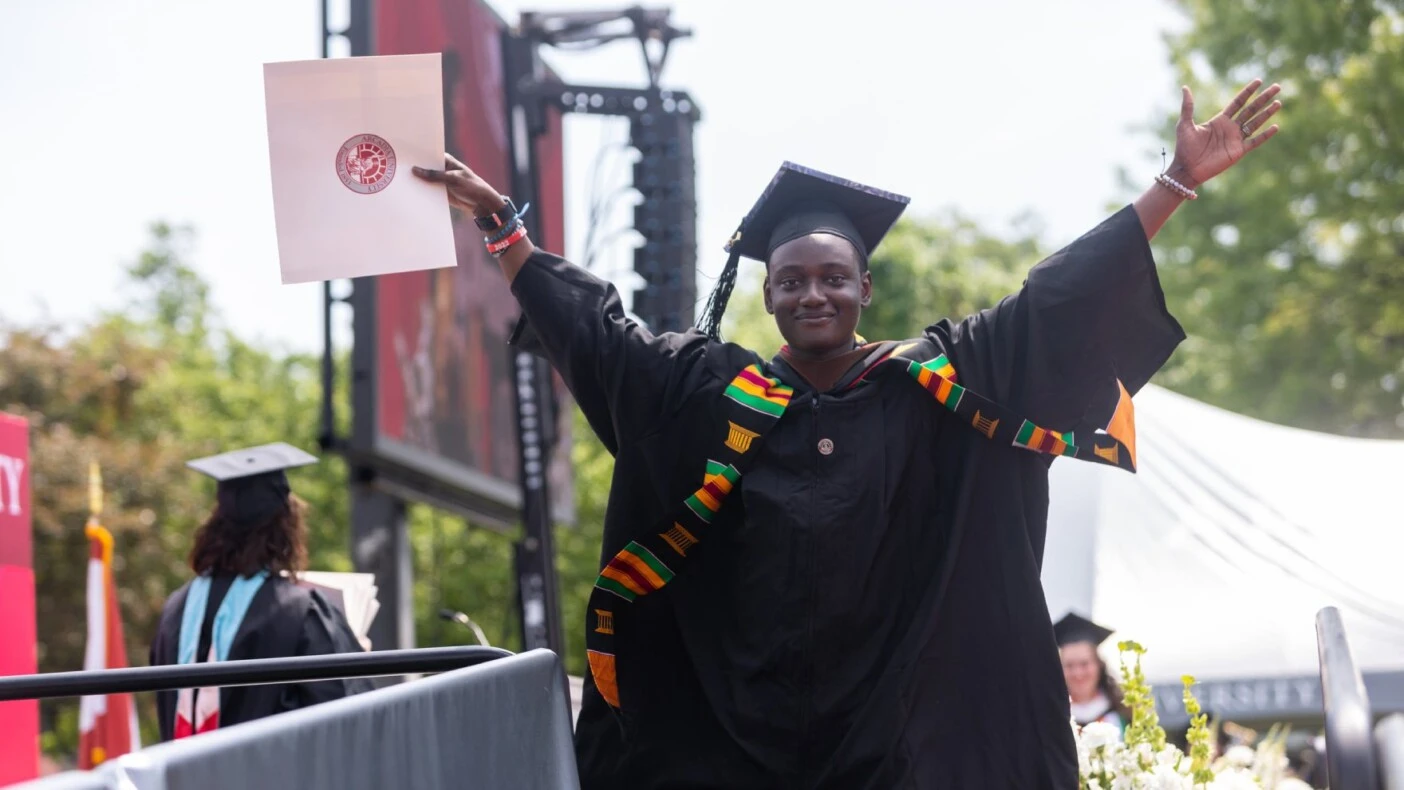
pixel 252 483
pixel 1075 628
pixel 800 201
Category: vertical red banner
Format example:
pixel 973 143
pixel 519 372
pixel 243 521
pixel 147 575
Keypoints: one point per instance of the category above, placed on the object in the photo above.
pixel 19 721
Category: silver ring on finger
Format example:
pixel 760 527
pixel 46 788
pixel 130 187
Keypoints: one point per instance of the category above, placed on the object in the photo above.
pixel 1243 127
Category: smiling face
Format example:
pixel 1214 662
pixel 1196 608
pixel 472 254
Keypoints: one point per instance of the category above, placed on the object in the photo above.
pixel 1082 670
pixel 816 286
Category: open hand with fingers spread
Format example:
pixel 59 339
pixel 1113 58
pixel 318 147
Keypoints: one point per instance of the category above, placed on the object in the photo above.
pixel 466 189
pixel 1203 151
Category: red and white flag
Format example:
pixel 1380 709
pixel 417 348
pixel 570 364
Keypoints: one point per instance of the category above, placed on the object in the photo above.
pixel 107 725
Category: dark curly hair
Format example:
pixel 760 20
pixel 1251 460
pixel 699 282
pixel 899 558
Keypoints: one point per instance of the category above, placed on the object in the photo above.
pixel 1112 689
pixel 277 544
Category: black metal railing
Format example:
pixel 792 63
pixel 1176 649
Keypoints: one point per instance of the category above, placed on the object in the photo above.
pixel 1350 752
pixel 253 672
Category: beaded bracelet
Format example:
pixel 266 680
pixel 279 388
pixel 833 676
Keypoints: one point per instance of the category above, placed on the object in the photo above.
pixel 1176 187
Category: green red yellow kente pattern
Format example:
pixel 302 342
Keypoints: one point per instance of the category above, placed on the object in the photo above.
pixel 755 391
pixel 938 377
pixel 715 486
pixel 645 565
pixel 753 403
pixel 634 571
pixel 1040 440
pixel 1113 444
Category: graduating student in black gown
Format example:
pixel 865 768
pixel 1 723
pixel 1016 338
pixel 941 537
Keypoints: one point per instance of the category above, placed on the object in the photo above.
pixel 1094 695
pixel 821 569
pixel 240 606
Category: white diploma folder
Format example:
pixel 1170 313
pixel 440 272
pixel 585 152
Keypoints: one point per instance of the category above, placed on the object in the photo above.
pixel 353 593
pixel 343 134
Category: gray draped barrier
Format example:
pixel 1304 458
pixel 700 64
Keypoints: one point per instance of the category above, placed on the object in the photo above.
pixel 1389 745
pixel 502 724
pixel 1351 762
pixel 68 780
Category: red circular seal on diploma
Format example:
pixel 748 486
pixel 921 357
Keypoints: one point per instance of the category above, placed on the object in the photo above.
pixel 366 164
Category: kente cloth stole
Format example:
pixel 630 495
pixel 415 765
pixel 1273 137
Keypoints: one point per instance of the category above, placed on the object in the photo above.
pixel 1112 443
pixel 197 710
pixel 753 403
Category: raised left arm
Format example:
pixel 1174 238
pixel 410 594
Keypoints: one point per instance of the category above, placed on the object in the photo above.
pixel 1093 313
pixel 1204 151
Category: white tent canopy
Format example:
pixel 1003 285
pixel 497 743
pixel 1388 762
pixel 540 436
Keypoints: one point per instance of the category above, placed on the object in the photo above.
pixel 1217 555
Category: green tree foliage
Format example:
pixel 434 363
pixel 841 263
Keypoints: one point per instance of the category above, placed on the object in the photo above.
pixel 1288 273
pixel 464 568
pixel 161 380
pixel 469 569
pixel 142 391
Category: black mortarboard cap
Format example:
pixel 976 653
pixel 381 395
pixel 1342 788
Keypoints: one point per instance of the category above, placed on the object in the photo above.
pixel 252 483
pixel 799 201
pixel 1075 628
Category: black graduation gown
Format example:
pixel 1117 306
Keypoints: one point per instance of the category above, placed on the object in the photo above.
pixel 283 620
pixel 869 618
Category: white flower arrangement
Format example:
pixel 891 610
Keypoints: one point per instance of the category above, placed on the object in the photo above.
pixel 1142 760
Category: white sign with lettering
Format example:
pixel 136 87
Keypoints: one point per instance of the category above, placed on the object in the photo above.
pixel 11 473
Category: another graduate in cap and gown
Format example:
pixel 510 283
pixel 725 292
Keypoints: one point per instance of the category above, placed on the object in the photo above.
pixel 241 605
pixel 1092 691
pixel 821 567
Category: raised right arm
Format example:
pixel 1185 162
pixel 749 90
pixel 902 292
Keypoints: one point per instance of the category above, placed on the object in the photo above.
pixel 624 378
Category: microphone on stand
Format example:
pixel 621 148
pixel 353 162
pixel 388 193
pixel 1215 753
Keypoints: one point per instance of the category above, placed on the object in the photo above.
pixel 467 622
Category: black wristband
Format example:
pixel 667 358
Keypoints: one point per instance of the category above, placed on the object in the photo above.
pixel 497 219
